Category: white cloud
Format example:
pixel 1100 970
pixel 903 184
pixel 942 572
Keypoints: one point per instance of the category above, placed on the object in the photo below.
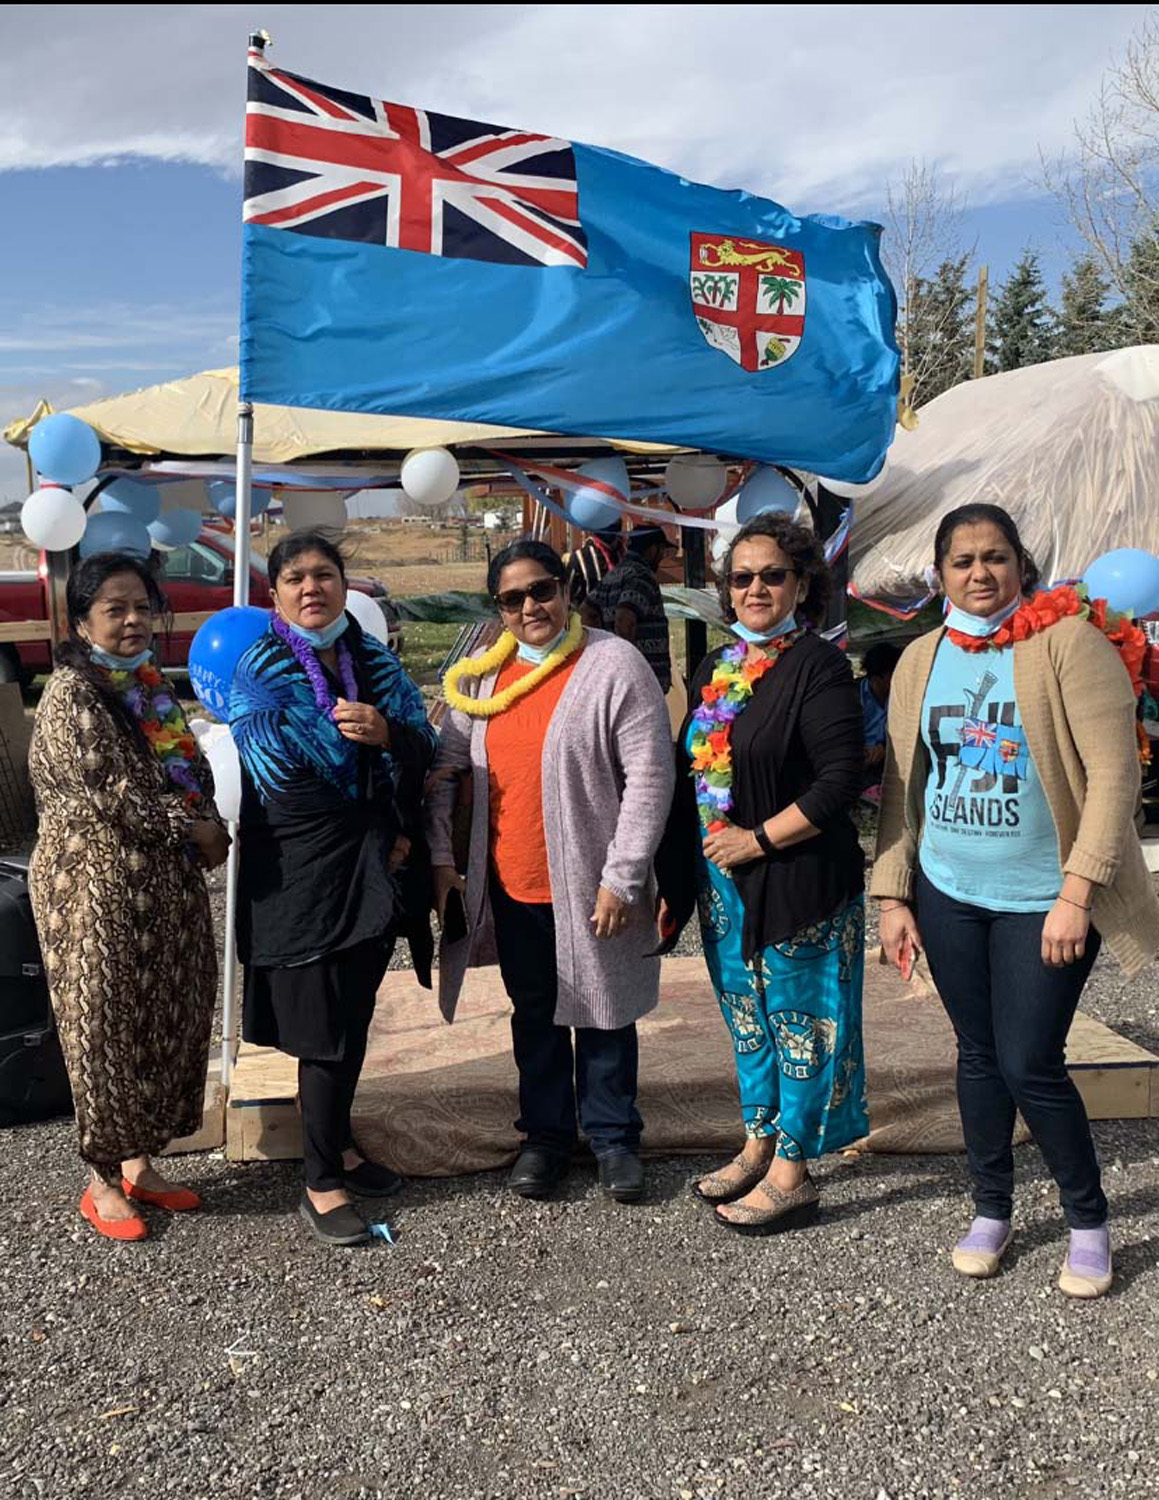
pixel 815 105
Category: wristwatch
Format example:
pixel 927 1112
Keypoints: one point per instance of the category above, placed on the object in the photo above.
pixel 768 848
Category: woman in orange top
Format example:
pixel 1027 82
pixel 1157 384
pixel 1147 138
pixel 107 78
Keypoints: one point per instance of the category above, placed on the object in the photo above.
pixel 565 735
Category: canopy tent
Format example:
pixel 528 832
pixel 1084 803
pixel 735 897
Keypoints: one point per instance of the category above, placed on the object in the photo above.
pixel 197 418
pixel 1070 449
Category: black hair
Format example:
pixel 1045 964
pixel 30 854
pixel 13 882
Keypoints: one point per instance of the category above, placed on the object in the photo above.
pixel 805 554
pixel 880 659
pixel 977 515
pixel 312 539
pixel 524 549
pixel 84 584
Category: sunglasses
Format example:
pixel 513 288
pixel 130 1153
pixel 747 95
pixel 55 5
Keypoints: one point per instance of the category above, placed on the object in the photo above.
pixel 772 578
pixel 542 591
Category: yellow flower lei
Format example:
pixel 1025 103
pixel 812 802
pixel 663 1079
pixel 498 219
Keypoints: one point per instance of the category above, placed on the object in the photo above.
pixel 491 661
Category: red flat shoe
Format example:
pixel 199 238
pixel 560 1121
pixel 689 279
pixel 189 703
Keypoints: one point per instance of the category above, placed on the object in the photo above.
pixel 179 1201
pixel 112 1229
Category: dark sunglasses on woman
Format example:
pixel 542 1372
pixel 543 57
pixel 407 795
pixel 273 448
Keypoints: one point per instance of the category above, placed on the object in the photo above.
pixel 772 578
pixel 511 601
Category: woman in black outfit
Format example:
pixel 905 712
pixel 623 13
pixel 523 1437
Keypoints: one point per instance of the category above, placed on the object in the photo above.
pixel 770 760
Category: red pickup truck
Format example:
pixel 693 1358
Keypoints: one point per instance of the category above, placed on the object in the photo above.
pixel 196 578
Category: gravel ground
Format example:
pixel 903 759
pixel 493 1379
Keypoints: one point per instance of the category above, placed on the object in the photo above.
pixel 579 1348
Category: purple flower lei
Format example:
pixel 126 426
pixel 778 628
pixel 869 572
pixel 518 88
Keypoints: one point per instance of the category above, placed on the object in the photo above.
pixel 308 660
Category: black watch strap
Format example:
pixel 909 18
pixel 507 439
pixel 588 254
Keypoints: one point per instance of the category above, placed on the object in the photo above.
pixel 767 846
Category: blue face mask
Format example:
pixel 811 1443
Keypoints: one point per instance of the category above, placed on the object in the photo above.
pixel 763 637
pixel 120 663
pixel 539 654
pixel 979 625
pixel 323 639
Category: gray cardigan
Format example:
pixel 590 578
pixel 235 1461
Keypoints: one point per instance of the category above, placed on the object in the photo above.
pixel 607 784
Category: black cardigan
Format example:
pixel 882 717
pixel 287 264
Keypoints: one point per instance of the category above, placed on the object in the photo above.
pixel 800 740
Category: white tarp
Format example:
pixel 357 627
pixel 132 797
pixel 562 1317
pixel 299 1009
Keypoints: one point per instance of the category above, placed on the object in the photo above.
pixel 1070 449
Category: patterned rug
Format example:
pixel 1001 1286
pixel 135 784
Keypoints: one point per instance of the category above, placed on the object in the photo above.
pixel 437 1100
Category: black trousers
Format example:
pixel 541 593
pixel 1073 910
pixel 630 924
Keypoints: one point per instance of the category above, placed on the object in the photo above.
pixel 326 1086
pixel 1011 1013
pixel 598 1078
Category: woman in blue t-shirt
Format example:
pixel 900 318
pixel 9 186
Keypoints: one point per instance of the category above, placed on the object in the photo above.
pixel 1006 832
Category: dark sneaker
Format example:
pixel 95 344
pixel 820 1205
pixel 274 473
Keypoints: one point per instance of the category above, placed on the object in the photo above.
pixel 341 1226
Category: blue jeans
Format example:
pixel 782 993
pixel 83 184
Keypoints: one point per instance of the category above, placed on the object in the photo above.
pixel 599 1077
pixel 1012 1013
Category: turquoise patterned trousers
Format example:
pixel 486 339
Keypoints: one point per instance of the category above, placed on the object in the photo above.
pixel 794 1014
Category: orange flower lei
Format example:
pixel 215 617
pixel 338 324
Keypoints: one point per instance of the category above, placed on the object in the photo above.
pixel 154 705
pixel 1042 610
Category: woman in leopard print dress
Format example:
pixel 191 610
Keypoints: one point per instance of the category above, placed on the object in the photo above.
pixel 127 824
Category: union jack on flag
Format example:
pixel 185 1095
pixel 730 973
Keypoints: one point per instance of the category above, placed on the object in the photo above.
pixel 326 162
pixel 978 733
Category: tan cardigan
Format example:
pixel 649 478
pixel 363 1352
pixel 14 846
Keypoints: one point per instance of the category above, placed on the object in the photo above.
pixel 1078 714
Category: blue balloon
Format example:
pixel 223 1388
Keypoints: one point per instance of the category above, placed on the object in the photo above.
pixel 766 490
pixel 131 498
pixel 216 650
pixel 65 449
pixel 111 531
pixel 1127 578
pixel 588 509
pixel 223 498
pixel 176 528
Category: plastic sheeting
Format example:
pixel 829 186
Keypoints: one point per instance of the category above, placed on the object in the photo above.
pixel 1070 449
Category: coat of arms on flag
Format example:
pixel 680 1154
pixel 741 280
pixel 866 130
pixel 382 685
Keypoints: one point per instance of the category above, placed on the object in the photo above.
pixel 749 298
pixel 328 162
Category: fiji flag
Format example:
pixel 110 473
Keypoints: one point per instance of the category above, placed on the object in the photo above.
pixel 405 262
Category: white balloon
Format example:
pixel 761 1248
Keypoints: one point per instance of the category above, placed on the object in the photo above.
pixel 314 509
pixel 368 614
pixel 430 476
pixel 695 480
pixel 726 514
pixel 217 746
pixel 53 518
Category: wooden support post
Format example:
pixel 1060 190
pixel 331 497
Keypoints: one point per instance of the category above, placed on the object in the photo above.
pixel 980 324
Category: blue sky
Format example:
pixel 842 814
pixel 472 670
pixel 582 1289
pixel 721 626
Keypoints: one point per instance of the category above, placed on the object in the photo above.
pixel 119 181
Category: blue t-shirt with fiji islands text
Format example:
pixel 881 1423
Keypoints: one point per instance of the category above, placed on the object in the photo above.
pixel 989 838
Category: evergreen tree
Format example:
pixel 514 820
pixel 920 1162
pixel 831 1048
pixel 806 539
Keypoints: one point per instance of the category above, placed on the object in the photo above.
pixel 941 330
pixel 1086 325
pixel 1023 324
pixel 1140 313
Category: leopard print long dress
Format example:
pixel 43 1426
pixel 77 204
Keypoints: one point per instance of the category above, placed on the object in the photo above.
pixel 125 929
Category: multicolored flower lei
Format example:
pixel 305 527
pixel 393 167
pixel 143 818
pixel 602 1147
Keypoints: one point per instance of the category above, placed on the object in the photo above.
pixel 308 660
pixel 1042 610
pixel 723 699
pixel 150 700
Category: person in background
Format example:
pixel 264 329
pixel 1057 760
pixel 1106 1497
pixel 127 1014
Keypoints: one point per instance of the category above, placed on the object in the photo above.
pixel 563 736
pixel 877 666
pixel 628 603
pixel 128 827
pixel 1006 847
pixel 591 563
pixel 334 746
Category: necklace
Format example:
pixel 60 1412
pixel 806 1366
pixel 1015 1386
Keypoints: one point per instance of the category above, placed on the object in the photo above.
pixel 150 700
pixel 491 661
pixel 308 660
pixel 724 698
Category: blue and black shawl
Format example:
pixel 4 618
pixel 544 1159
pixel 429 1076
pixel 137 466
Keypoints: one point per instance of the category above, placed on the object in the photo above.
pixel 320 814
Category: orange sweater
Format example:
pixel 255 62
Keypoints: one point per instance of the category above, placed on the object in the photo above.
pixel 515 771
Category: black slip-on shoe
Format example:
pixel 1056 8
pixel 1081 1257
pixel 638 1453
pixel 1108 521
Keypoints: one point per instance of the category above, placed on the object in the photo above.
pixel 341 1226
pixel 370 1179
pixel 537 1172
pixel 622 1176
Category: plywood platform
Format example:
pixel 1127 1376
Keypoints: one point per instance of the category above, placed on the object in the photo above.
pixel 437 1099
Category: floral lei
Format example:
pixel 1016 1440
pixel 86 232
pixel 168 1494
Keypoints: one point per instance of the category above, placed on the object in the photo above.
pixel 307 659
pixel 723 698
pixel 150 700
pixel 491 661
pixel 1042 610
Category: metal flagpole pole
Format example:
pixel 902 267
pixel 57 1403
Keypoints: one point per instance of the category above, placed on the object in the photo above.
pixel 241 596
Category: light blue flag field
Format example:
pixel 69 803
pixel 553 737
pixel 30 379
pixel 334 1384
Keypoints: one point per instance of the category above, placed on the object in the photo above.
pixel 404 262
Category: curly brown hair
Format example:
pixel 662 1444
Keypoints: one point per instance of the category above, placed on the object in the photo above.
pixel 800 546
